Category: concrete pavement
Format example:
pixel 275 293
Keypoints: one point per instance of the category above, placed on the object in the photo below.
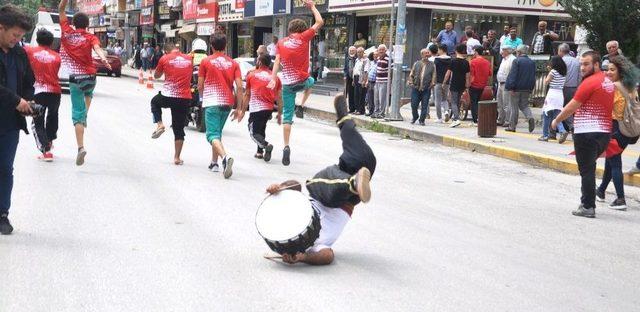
pixel 446 229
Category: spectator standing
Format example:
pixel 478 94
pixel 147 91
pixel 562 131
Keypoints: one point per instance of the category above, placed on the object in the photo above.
pixel 382 80
pixel 625 76
pixel 554 100
pixel 137 57
pixel 572 79
pixel 433 41
pixel 371 82
pixel 271 48
pixel 592 104
pixel 358 85
pixel 349 64
pixel 459 73
pixel 421 80
pixel 157 54
pixel 441 89
pixel 448 37
pixel 491 45
pixel 471 42
pixel 513 40
pixel 613 49
pixel 520 82
pixel 503 97
pixel 480 70
pixel 466 37
pixel 542 42
pixel 322 55
pixel 505 34
pixel 361 41
pixel 16 89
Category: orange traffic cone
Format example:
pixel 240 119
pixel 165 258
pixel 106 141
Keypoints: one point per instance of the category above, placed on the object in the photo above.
pixel 150 82
pixel 140 77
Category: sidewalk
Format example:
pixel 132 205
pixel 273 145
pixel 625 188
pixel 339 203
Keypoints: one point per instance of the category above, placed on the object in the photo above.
pixel 520 146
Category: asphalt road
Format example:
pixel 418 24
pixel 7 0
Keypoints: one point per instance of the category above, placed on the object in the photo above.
pixel 446 230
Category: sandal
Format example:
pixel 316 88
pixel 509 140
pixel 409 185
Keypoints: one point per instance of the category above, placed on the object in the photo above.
pixel 258 156
pixel 178 163
pixel 156 134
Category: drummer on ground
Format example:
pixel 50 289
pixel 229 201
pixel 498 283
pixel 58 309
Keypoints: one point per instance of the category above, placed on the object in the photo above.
pixel 336 190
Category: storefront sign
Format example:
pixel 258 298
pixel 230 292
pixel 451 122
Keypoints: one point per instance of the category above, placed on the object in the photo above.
pixel 146 16
pixel 90 7
pixel 226 12
pixel 134 18
pixel 205 29
pixel 521 7
pixel 237 5
pixel 256 8
pixel 192 9
pixel 301 3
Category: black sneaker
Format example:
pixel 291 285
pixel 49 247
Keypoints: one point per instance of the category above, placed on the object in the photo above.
pixel 340 105
pixel 286 153
pixel 532 124
pixel 227 167
pixel 618 204
pixel 5 225
pixel 599 195
pixel 299 111
pixel 584 212
pixel 267 152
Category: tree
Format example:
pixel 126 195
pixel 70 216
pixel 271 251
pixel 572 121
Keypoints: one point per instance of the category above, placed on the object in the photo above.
pixel 32 6
pixel 608 20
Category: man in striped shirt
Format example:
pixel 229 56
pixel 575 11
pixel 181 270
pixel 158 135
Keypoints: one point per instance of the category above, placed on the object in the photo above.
pixel 382 80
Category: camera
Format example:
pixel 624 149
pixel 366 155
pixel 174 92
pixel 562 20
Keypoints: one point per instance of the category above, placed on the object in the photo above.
pixel 36 109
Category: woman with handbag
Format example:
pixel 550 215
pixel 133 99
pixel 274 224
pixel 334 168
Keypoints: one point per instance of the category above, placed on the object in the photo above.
pixel 626 77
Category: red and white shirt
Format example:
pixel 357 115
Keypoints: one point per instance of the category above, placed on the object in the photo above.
pixel 178 69
pixel 219 72
pixel 262 98
pixel 596 95
pixel 75 50
pixel 294 56
pixel 45 64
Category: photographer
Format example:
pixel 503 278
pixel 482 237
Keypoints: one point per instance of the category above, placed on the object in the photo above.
pixel 16 89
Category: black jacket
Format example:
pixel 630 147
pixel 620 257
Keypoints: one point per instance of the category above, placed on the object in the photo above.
pixel 522 76
pixel 8 99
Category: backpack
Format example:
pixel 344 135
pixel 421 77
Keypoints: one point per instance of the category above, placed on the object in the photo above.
pixel 630 126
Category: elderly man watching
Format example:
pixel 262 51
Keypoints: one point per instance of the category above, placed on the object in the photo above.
pixel 349 64
pixel 503 97
pixel 448 37
pixel 382 81
pixel 572 80
pixel 520 82
pixel 421 79
pixel 542 40
pixel 613 48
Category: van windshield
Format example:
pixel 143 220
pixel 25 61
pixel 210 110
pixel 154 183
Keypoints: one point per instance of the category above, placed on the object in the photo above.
pixel 55 18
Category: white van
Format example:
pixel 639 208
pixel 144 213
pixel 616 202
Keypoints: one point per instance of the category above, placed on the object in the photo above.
pixel 51 22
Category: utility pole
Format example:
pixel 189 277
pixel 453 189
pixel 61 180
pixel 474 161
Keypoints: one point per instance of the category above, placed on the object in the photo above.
pixel 398 54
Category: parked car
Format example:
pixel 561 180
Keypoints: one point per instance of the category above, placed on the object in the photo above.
pixel 114 61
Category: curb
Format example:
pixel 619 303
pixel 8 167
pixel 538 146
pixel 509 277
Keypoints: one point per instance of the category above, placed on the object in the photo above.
pixel 530 158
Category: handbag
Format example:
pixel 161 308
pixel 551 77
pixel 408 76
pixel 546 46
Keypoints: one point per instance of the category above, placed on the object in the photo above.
pixel 630 125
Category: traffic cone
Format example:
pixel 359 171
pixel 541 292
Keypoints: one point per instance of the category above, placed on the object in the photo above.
pixel 150 82
pixel 140 77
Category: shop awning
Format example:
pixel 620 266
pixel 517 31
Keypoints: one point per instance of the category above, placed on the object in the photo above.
pixel 171 33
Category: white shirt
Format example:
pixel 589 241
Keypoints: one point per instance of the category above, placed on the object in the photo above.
pixel 472 43
pixel 271 48
pixel 505 68
pixel 321 50
pixel 332 222
pixel 358 67
pixel 503 38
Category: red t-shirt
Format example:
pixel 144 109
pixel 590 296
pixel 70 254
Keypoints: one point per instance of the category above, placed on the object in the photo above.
pixel 45 64
pixel 75 50
pixel 294 56
pixel 596 95
pixel 262 98
pixel 219 72
pixel 480 71
pixel 177 69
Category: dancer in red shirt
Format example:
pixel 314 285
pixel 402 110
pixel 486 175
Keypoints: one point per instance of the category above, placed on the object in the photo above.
pixel 176 94
pixel 259 100
pixel 75 51
pixel 293 57
pixel 45 64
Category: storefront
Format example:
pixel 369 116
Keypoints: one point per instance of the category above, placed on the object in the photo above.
pixel 228 16
pixel 257 28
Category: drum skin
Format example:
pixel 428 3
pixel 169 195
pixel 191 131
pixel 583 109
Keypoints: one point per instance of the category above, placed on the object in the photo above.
pixel 287 222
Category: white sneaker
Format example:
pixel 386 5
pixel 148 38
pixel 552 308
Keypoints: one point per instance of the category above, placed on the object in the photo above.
pixel 454 124
pixel 634 170
pixel 439 121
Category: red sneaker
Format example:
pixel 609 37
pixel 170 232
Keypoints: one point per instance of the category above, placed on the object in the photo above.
pixel 47 156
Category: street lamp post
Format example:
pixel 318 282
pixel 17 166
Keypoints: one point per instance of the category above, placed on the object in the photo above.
pixel 398 54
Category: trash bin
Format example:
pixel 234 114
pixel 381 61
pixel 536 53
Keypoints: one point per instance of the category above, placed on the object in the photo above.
pixel 487 115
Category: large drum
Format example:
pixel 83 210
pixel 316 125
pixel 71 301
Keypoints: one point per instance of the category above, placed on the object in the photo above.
pixel 287 222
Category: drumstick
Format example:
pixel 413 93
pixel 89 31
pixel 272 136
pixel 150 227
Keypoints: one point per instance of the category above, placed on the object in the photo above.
pixel 272 257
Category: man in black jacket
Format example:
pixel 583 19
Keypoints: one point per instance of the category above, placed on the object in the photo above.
pixel 16 89
pixel 520 82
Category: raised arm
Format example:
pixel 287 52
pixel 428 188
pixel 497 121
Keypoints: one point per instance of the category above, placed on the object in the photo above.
pixel 61 9
pixel 316 15
pixel 286 185
pixel 276 69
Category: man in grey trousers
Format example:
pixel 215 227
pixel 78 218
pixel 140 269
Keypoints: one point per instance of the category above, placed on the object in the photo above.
pixel 520 83
pixel 572 80
pixel 382 80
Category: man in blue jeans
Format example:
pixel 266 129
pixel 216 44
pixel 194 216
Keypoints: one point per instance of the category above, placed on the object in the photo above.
pixel 421 80
pixel 16 89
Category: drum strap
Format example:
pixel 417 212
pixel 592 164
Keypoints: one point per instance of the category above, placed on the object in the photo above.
pixel 335 181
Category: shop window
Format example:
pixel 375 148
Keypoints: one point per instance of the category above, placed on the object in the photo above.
pixel 379 30
pixel 245 40
pixel 480 23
